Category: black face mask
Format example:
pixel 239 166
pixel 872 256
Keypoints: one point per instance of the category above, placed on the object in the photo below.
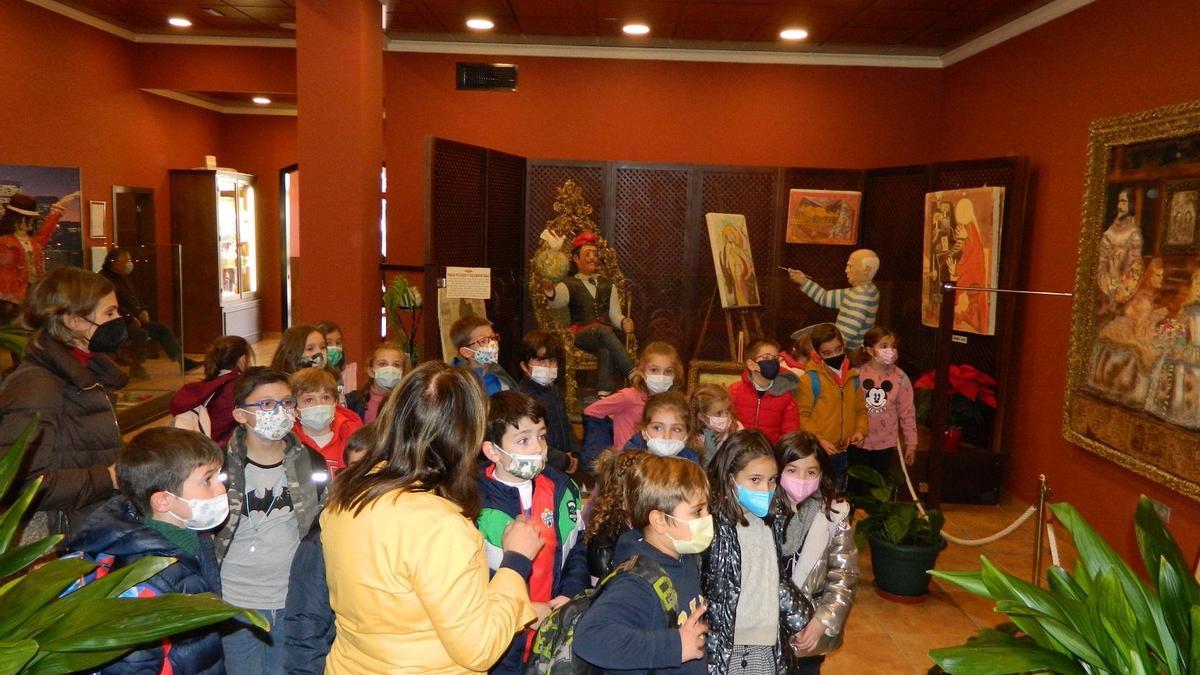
pixel 834 362
pixel 769 368
pixel 109 336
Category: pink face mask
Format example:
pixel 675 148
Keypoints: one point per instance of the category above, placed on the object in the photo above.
pixel 887 355
pixel 718 424
pixel 799 489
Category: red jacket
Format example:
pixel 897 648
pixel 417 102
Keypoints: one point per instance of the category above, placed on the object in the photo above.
pixel 220 408
pixel 345 422
pixel 15 274
pixel 772 414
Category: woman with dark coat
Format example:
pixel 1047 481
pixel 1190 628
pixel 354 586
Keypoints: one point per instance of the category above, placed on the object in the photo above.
pixel 64 381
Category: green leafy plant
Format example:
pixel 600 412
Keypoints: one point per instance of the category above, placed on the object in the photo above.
pixel 41 632
pixel 402 296
pixel 1099 618
pixel 890 520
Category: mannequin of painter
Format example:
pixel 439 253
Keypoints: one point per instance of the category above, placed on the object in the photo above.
pixel 856 305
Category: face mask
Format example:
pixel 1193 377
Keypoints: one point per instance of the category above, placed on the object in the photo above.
pixel 719 424
pixel 769 368
pixel 274 424
pixel 834 362
pixel 887 355
pixel 798 489
pixel 387 376
pixel 317 416
pixel 702 535
pixel 657 384
pixel 109 336
pixel 206 513
pixel 128 268
pixel 543 375
pixel 758 503
pixel 487 355
pixel 335 356
pixel 525 467
pixel 664 447
pixel 315 361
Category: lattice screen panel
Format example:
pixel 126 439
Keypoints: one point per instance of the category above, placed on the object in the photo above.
pixel 543 179
pixel 505 249
pixel 457 231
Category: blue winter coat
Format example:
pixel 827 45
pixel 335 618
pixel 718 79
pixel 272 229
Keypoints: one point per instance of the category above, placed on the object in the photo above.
pixel 308 628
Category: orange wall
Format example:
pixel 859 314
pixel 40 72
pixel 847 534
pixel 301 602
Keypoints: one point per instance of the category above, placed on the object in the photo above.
pixel 205 68
pixel 1036 95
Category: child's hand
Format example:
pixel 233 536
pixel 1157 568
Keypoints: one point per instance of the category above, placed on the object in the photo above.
pixel 829 448
pixel 857 438
pixel 559 601
pixel 692 634
pixel 910 456
pixel 521 537
pixel 806 640
pixel 542 610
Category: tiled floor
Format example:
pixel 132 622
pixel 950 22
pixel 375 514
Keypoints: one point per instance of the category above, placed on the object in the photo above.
pixel 886 638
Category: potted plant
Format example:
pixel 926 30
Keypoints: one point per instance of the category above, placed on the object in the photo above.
pixel 402 297
pixel 970 391
pixel 1101 617
pixel 904 542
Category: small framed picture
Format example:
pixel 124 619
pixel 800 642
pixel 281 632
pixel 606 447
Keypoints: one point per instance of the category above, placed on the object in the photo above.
pixel 1178 233
pixel 97 211
pixel 723 373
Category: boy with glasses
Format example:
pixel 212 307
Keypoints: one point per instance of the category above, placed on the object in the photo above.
pixel 760 400
pixel 478 348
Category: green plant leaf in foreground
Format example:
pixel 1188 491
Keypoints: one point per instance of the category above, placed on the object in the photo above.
pixel 38 588
pixel 10 462
pixel 14 655
pixel 112 623
pixel 12 517
pixel 1017 656
pixel 970 581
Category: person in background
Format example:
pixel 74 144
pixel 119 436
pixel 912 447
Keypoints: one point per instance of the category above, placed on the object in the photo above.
pixel 324 425
pixel 300 346
pixel 118 265
pixel 388 364
pixel 666 427
pixel 408 577
pixel 540 355
pixel 63 382
pixel 21 261
pixel 478 348
pixel 761 399
pixel 712 418
pixel 339 362
pixel 608 518
pixel 226 359
pixel 831 405
pixel 658 370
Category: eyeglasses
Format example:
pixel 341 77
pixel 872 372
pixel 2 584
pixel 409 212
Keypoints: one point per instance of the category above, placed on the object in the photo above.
pixel 767 357
pixel 486 338
pixel 269 404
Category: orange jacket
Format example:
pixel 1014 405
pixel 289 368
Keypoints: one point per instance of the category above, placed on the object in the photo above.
pixel 345 422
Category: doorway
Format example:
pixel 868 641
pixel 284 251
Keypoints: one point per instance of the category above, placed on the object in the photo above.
pixel 289 238
pixel 133 229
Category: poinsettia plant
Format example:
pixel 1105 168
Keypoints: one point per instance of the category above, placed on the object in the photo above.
pixel 970 390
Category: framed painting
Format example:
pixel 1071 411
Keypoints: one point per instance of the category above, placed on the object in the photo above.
pixel 823 217
pixel 722 373
pixel 1133 379
pixel 47 185
pixel 732 260
pixel 962 246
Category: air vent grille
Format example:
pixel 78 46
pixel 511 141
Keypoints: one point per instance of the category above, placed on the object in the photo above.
pixel 487 76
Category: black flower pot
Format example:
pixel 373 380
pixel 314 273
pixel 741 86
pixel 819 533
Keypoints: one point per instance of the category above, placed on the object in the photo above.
pixel 902 570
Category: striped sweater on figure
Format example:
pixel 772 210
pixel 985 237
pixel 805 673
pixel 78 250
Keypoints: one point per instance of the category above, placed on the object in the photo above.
pixel 856 307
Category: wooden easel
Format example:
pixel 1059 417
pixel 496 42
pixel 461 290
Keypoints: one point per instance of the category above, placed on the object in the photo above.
pixel 745 317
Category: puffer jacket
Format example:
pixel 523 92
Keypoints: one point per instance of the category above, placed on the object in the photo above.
pixel 772 412
pixel 77 437
pixel 839 410
pixel 115 530
pixel 825 567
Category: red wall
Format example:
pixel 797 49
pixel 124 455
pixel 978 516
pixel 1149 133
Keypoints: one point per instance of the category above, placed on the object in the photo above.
pixel 1036 95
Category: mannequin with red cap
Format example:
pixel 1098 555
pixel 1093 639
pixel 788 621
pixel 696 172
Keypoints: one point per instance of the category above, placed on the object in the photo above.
pixel 594 306
pixel 21 261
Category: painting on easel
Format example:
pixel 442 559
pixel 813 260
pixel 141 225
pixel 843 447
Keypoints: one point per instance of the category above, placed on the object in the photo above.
pixel 732 259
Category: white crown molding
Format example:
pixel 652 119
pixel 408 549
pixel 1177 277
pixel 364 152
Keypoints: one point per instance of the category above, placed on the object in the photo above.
pixel 1035 19
pixel 217 107
pixel 212 40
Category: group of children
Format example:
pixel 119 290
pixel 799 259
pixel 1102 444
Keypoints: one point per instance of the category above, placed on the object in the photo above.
pixel 727 500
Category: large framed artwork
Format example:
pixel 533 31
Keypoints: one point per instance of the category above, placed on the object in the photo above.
pixel 1133 380
pixel 721 373
pixel 962 246
pixel 47 185
pixel 732 259
pixel 823 217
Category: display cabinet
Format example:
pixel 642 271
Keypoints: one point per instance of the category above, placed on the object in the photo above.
pixel 213 220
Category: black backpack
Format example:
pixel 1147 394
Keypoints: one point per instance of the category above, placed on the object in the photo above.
pixel 552 652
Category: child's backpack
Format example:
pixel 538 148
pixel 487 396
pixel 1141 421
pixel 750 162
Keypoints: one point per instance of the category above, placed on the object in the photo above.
pixel 195 419
pixel 552 652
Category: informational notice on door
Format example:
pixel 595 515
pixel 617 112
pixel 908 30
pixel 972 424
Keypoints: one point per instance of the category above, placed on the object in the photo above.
pixel 469 282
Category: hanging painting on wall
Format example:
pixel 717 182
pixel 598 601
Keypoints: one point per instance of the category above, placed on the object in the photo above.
pixel 823 217
pixel 731 257
pixel 1133 384
pixel 962 247
pixel 47 185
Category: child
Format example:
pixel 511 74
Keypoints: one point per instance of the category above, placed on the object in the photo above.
pixel 518 482
pixel 338 363
pixel 761 401
pixel 388 364
pixel 625 629
pixel 324 426
pixel 609 518
pixel 224 362
pixel 359 444
pixel 712 418
pixel 478 348
pixel 170 498
pixel 742 570
pixel 300 346
pixel 658 370
pixel 831 406
pixel 818 549
pixel 666 427
pixel 540 355
pixel 276 488
pixel 889 402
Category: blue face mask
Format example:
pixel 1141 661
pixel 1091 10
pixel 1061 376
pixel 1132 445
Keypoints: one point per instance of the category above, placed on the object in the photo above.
pixel 758 503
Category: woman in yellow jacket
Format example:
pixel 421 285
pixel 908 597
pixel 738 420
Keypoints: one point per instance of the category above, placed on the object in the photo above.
pixel 830 399
pixel 408 580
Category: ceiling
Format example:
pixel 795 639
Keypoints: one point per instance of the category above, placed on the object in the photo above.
pixel 911 26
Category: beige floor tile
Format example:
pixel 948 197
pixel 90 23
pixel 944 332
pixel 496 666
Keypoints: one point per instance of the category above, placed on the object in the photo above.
pixel 869 654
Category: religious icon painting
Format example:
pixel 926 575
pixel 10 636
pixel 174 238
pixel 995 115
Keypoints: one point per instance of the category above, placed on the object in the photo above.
pixel 1178 233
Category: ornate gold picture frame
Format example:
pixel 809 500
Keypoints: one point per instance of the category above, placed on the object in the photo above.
pixel 1133 379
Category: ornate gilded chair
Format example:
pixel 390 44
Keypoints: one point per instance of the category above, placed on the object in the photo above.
pixel 551 262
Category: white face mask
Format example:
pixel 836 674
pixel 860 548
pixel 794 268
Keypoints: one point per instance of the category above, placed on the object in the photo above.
pixel 543 375
pixel 487 354
pixel 206 513
pixel 387 376
pixel 525 467
pixel 664 447
pixel 316 417
pixel 274 424
pixel 657 384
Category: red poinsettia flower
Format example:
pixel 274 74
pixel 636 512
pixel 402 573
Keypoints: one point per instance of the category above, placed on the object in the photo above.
pixel 966 381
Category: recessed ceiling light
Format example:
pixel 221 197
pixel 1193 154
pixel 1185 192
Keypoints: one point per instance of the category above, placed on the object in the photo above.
pixel 261 100
pixel 636 29
pixel 179 22
pixel 793 34
pixel 480 24
pixel 288 25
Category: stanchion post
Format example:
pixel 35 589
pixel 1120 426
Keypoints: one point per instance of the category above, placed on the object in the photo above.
pixel 1038 532
pixel 941 403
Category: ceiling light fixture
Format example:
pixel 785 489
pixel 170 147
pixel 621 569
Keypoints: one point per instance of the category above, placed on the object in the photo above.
pixel 261 100
pixel 793 34
pixel 179 22
pixel 480 24
pixel 636 29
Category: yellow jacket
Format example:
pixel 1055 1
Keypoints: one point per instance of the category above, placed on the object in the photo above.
pixel 839 412
pixel 408 582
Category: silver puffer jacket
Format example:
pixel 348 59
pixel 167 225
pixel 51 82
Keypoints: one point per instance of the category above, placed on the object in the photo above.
pixel 825 567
